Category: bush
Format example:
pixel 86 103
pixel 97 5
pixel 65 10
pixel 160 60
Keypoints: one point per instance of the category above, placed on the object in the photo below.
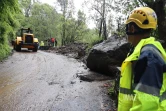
pixel 4 51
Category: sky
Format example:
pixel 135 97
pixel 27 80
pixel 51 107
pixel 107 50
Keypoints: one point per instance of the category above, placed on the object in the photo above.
pixel 78 5
pixel 76 2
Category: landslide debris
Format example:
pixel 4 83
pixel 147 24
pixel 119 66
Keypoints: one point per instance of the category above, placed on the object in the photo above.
pixel 74 50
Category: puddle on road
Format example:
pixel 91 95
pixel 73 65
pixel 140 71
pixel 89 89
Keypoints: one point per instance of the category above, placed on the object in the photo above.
pixel 7 88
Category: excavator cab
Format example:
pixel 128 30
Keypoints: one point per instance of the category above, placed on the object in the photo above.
pixel 27 40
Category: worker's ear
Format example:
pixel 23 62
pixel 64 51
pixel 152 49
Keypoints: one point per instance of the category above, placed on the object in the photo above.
pixel 132 29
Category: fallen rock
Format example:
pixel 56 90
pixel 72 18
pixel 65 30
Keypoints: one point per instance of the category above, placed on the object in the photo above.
pixel 106 56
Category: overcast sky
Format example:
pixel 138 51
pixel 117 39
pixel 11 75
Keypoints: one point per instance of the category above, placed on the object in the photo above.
pixel 77 3
pixel 78 6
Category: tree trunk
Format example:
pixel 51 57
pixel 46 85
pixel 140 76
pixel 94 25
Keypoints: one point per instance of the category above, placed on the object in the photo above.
pixel 101 25
pixel 158 6
pixel 161 20
pixel 105 30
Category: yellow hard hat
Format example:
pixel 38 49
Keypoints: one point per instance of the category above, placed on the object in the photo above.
pixel 144 17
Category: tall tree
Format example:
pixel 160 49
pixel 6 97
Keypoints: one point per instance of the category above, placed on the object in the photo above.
pixel 101 13
pixel 76 29
pixel 67 9
pixel 43 19
pixel 26 6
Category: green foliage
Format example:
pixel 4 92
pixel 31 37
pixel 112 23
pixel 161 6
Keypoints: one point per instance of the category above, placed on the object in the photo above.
pixel 94 40
pixel 4 51
pixel 46 22
pixel 8 23
pixel 91 38
pixel 155 33
pixel 75 30
pixel 111 89
pixel 41 18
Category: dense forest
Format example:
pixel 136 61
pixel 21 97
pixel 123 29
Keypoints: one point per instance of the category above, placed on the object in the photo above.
pixel 62 21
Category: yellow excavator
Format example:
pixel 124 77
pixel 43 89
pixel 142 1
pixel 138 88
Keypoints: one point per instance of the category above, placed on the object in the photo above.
pixel 27 40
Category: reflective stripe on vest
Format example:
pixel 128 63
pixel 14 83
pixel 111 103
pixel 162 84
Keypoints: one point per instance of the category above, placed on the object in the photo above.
pixel 148 89
pixel 126 91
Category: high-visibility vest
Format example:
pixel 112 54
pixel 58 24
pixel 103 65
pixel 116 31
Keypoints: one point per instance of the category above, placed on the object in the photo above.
pixel 126 95
pixel 41 43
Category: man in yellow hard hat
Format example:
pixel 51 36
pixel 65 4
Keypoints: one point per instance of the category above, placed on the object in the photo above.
pixel 143 77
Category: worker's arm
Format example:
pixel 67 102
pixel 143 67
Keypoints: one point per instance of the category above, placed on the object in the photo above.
pixel 148 78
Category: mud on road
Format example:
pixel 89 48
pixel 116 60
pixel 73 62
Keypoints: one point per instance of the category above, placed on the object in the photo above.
pixel 42 81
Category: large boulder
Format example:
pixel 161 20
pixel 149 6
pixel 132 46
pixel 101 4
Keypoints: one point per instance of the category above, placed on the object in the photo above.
pixel 105 57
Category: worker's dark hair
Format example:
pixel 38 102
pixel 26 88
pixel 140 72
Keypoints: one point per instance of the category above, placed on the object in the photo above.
pixel 138 29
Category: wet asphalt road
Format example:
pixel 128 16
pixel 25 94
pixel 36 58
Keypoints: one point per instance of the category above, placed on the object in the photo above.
pixel 41 81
